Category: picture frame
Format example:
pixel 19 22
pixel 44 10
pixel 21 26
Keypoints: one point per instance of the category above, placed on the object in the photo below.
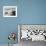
pixel 9 11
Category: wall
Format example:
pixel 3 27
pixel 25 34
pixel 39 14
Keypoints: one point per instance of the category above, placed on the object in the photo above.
pixel 29 12
pixel 7 25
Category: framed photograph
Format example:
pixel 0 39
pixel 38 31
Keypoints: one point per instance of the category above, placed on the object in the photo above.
pixel 9 11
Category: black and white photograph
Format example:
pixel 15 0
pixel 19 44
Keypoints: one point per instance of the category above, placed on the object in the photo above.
pixel 9 11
